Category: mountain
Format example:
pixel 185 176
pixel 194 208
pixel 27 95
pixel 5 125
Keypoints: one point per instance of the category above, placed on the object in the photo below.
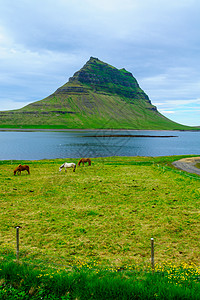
pixel 97 96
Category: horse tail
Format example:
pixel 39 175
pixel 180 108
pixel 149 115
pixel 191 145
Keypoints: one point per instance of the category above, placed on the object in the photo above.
pixel 74 167
pixel 28 170
pixel 89 162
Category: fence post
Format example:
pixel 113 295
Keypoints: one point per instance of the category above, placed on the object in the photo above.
pixel 152 254
pixel 17 242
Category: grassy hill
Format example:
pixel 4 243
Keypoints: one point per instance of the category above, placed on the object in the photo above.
pixel 97 96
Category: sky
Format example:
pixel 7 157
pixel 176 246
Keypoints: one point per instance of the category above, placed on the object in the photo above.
pixel 43 43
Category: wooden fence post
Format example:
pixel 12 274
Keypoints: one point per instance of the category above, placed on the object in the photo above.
pixel 152 254
pixel 17 242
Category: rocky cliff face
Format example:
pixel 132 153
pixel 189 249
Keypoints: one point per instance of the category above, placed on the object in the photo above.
pixel 103 78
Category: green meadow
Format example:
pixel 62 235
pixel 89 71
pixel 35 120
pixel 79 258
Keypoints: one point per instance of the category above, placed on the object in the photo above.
pixel 107 212
pixel 102 218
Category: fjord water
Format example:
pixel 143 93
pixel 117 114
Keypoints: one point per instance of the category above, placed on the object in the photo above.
pixel 75 144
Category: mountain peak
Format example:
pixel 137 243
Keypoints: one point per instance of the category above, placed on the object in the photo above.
pixel 102 77
pixel 97 96
pixel 93 59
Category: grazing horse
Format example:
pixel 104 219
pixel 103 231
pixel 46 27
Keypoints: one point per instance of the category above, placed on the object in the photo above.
pixel 67 165
pixel 84 160
pixel 21 168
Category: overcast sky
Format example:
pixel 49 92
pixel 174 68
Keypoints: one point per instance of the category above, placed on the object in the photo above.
pixel 44 42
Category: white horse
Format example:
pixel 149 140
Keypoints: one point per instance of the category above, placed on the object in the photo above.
pixel 67 165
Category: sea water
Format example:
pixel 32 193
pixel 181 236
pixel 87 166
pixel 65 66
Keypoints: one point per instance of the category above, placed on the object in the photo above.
pixel 96 143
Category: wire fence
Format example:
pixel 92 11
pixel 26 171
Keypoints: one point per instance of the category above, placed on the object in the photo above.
pixel 21 253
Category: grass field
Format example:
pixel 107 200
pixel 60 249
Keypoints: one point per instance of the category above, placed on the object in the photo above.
pixel 104 215
pixel 86 234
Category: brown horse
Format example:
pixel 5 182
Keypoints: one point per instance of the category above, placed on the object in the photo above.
pixel 21 168
pixel 84 160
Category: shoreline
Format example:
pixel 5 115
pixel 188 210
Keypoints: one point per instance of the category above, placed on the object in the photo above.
pixel 89 129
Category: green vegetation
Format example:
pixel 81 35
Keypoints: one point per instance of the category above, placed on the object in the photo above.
pixel 97 96
pixel 19 281
pixel 90 230
pixel 93 112
pixel 107 212
pixel 106 78
pixel 197 165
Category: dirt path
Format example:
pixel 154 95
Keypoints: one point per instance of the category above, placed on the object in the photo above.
pixel 188 164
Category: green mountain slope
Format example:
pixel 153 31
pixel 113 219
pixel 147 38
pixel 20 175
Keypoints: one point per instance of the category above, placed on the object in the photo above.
pixel 97 96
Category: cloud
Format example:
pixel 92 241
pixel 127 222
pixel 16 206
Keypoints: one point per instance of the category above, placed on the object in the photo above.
pixel 182 111
pixel 42 44
pixel 178 102
pixel 178 86
pixel 167 112
pixel 8 104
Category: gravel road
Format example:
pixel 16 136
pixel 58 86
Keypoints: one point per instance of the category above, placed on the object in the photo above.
pixel 188 164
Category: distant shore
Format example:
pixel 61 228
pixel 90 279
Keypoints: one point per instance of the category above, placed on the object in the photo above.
pixel 80 129
pixel 107 134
